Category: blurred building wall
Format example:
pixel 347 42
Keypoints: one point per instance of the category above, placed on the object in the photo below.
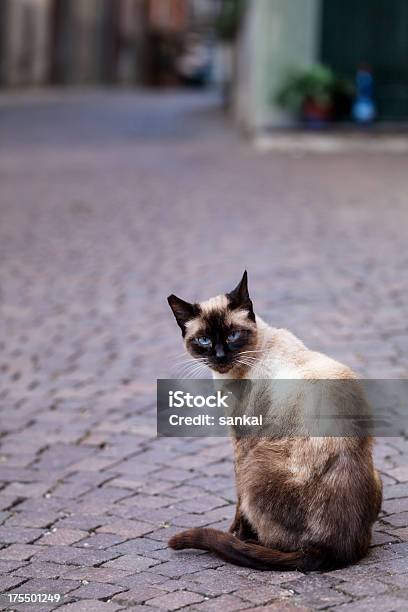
pixel 86 41
pixel 84 25
pixel 276 34
pixel 132 32
pixel 97 41
pixel 25 41
pixel 168 14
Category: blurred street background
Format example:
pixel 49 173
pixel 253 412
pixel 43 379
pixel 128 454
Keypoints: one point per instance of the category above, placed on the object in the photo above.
pixel 318 61
pixel 131 167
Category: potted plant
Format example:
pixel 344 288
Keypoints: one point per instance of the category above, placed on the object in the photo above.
pixel 316 94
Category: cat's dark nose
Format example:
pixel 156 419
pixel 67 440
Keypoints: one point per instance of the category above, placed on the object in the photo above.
pixel 220 353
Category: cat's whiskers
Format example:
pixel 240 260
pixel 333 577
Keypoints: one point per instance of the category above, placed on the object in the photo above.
pixel 187 368
pixel 198 370
pixel 193 367
pixel 186 361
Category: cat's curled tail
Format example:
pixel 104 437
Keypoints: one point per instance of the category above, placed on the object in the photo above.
pixel 248 554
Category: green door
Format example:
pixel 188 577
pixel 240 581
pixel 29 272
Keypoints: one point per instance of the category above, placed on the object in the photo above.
pixel 373 32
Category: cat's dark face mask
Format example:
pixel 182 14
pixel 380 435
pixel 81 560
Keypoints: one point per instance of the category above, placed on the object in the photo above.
pixel 220 332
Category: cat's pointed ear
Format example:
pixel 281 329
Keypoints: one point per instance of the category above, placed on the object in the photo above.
pixel 240 293
pixel 183 311
pixel 239 297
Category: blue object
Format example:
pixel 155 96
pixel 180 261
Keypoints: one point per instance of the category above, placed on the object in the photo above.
pixel 364 109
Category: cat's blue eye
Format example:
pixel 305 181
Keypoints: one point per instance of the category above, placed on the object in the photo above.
pixel 233 336
pixel 204 341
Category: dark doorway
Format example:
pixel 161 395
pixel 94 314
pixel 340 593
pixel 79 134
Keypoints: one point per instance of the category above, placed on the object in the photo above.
pixel 59 43
pixel 3 46
pixel 374 32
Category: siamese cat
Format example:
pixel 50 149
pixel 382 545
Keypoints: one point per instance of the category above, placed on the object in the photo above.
pixel 303 502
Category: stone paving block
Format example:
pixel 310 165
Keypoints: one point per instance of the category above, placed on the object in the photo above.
pixel 258 595
pixel 322 599
pixel 9 567
pixel 96 590
pixel 311 583
pixel 135 467
pixel 151 501
pixel 178 583
pixel 211 583
pixel 177 491
pixel 142 579
pixel 226 603
pixel 165 554
pixel 46 505
pixel 19 551
pixel 401 533
pixel 379 538
pixel 62 537
pixel 397 520
pixel 83 522
pixel 203 503
pixel 176 475
pixel 191 520
pixel 46 585
pixel 400 473
pixel 32 519
pixel 138 545
pixel 398 580
pixel 45 607
pixel 157 517
pixel 103 496
pixel 42 569
pixel 355 572
pixel 132 563
pixel 394 506
pixel 90 605
pixel 19 475
pixel 275 577
pixel 91 557
pixel 176 568
pixel 364 587
pixel 395 491
pixel 25 489
pixel 57 554
pixel 382 603
pixel 8 501
pixel 382 554
pixel 96 574
pixel 92 464
pixel 284 606
pixel 176 600
pixel 164 533
pixel 61 456
pixel 100 541
pixel 137 596
pixel 394 566
pixel 127 528
pixel 8 582
pixel 19 535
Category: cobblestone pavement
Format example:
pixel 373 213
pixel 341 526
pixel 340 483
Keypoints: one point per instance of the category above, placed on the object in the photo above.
pixel 109 202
